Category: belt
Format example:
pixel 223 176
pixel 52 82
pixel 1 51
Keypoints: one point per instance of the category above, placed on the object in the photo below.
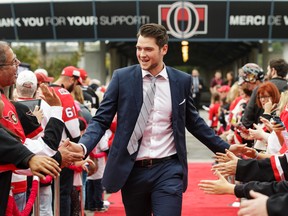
pixel 150 162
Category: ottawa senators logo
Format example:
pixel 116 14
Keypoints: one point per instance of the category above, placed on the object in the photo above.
pixel 11 117
pixel 183 19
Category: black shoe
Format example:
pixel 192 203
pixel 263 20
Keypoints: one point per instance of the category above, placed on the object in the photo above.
pixel 103 209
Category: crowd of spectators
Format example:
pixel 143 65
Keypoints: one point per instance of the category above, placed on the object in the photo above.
pixel 40 119
pixel 256 118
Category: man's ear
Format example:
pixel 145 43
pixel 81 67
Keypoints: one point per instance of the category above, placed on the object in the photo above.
pixel 165 49
pixel 274 71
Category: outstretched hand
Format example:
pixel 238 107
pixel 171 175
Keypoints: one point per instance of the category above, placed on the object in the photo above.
pixel 237 149
pixel 221 157
pixel 84 164
pixel 267 123
pixel 69 153
pixel 43 165
pixel 220 186
pixel 250 152
pixel 228 168
pixel 255 206
pixel 258 133
pixel 75 147
pixel 49 95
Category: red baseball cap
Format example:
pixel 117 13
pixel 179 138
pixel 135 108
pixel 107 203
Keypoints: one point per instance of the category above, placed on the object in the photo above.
pixel 83 73
pixel 42 78
pixel 224 88
pixel 72 71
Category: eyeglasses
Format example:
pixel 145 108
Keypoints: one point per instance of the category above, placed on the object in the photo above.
pixel 15 61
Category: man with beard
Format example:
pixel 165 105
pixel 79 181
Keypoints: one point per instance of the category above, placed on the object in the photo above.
pixel 276 72
pixel 63 86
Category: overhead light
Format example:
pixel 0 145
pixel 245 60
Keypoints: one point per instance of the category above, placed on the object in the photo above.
pixel 184 43
pixel 185 50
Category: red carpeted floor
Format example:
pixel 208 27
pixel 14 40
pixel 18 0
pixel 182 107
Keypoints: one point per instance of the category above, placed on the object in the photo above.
pixel 195 202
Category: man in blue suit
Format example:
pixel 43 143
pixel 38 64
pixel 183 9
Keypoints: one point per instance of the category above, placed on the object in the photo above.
pixel 153 178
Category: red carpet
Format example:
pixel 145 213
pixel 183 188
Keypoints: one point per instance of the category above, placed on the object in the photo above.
pixel 195 202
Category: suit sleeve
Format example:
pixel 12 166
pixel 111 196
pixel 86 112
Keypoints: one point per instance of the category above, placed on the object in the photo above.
pixel 274 168
pixel 53 133
pixel 103 117
pixel 254 170
pixel 267 188
pixel 277 204
pixel 12 151
pixel 252 111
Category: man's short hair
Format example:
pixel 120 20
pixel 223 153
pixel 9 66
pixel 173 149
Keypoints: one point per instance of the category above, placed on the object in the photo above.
pixel 156 31
pixel 280 65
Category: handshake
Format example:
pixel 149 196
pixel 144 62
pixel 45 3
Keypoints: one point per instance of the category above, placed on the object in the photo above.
pixel 71 153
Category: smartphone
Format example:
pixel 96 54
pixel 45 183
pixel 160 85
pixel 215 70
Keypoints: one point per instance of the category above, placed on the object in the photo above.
pixel 277 121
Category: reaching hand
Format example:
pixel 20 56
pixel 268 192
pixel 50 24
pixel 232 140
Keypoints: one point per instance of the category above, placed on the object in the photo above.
pixel 69 153
pixel 50 96
pixel 221 157
pixel 246 135
pixel 74 147
pixel 278 127
pixel 267 123
pixel 237 149
pixel 84 163
pixel 38 113
pixel 250 152
pixel 220 186
pixel 44 165
pixel 258 133
pixel 255 206
pixel 228 168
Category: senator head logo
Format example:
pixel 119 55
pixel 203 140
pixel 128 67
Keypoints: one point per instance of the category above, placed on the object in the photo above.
pixel 183 19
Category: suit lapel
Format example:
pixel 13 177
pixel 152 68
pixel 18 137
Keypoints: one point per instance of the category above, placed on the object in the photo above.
pixel 137 83
pixel 174 89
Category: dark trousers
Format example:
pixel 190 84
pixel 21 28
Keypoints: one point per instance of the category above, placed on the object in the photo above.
pixel 197 100
pixel 5 182
pixel 157 189
pixel 94 194
pixel 66 186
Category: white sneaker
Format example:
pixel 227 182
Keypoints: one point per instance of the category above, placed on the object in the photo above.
pixel 106 203
pixel 205 108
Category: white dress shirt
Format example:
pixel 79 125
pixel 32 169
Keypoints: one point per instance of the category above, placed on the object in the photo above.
pixel 158 140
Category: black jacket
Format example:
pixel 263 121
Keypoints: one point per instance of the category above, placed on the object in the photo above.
pixel 252 111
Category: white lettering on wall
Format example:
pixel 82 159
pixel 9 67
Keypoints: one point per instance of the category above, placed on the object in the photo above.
pixel 33 21
pixel 10 22
pixel 123 20
pixel 244 20
pixel 274 20
pixel 257 20
pixel 82 20
pixel 55 21
pixel 285 20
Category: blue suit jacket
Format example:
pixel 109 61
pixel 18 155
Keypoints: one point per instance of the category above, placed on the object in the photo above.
pixel 124 96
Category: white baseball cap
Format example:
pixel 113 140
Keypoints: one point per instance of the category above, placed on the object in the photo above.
pixel 27 79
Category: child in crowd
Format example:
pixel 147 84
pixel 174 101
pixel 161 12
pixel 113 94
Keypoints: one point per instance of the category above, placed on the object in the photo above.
pixel 214 111
pixel 94 188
